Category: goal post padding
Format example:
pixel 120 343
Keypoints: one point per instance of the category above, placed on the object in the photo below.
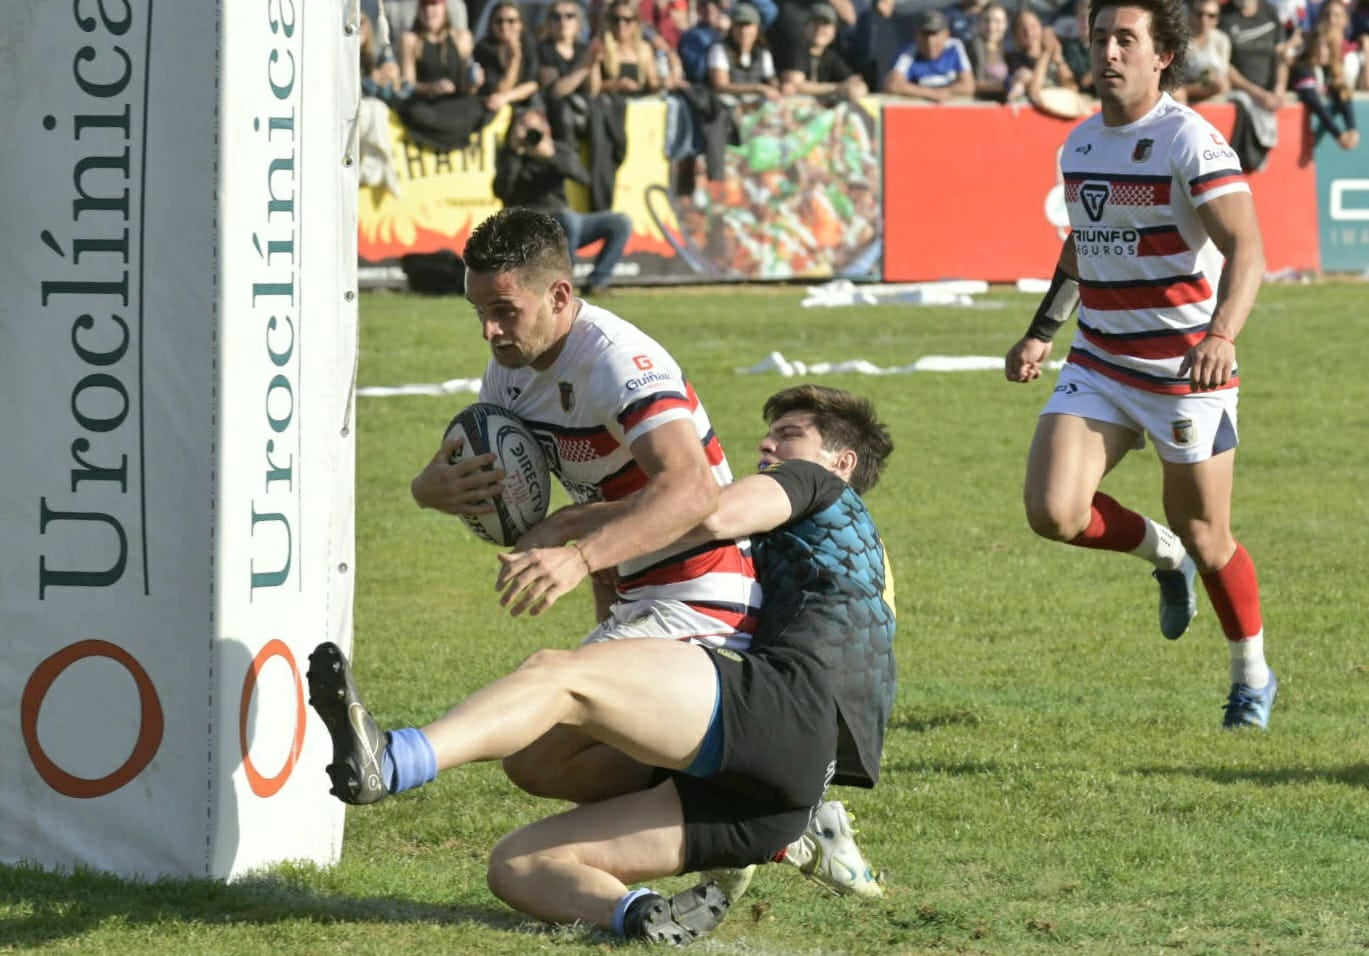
pixel 177 356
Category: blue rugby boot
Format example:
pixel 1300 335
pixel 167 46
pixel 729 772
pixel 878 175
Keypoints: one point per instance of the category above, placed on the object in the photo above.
pixel 1178 598
pixel 1247 707
pixel 358 744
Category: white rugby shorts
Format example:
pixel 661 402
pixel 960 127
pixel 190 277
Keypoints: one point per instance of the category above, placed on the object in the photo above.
pixel 672 620
pixel 1186 429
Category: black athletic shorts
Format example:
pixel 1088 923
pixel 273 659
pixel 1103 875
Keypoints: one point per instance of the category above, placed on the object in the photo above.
pixel 779 743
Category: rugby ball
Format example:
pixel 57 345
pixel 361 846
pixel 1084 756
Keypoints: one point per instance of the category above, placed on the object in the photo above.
pixel 485 428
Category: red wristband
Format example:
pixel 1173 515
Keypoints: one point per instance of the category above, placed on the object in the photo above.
pixel 1224 338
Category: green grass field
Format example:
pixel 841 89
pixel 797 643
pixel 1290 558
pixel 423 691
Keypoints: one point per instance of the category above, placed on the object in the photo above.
pixel 1055 780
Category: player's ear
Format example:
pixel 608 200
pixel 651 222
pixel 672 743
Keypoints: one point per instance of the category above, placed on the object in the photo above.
pixel 561 294
pixel 845 463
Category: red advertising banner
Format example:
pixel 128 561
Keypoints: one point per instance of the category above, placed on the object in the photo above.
pixel 974 192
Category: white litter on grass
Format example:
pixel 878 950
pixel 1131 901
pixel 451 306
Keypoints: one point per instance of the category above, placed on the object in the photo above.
pixel 840 292
pixel 449 387
pixel 775 362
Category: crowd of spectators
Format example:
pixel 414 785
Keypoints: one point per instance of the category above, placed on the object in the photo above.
pixel 448 66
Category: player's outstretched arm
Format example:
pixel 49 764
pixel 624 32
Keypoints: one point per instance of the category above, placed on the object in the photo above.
pixel 680 493
pixel 1231 222
pixel 463 488
pixel 1025 359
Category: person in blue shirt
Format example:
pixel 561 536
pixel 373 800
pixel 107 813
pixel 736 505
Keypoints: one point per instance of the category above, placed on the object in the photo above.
pixel 710 28
pixel 933 67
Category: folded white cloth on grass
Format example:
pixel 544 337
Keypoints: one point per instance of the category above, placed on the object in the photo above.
pixel 775 362
pixel 845 292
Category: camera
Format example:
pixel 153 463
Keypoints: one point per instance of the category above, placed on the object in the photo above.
pixel 532 137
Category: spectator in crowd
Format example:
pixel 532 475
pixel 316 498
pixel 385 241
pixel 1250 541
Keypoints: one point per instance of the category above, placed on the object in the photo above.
pixel 508 56
pixel 988 54
pixel 878 38
pixel 400 12
pixel 531 169
pixel 381 84
pixel 934 67
pixel 819 69
pixel 1318 80
pixel 1074 47
pixel 1258 75
pixel 629 63
pixel 784 34
pixel 1336 15
pixel 568 71
pixel 740 67
pixel 963 18
pixel 1038 71
pixel 666 19
pixel 435 60
pixel 1208 62
pixel 380 74
pixel 711 27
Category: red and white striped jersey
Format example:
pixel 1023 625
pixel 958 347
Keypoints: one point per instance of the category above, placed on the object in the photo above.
pixel 1148 270
pixel 611 385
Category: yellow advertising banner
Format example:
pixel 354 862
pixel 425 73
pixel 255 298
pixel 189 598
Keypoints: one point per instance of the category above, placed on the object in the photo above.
pixel 801 196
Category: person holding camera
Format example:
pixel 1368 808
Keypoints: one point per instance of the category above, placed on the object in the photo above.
pixel 531 168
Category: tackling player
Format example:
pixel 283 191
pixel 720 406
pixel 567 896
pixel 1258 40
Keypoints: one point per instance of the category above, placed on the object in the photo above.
pixel 1165 260
pixel 749 739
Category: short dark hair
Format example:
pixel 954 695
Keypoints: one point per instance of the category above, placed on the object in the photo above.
pixel 845 421
pixel 519 240
pixel 1169 31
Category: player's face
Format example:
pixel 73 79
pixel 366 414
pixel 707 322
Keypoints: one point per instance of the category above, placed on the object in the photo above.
pixel 794 436
pixel 524 326
pixel 1126 65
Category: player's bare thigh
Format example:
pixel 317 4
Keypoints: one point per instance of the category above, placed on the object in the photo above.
pixel 1069 457
pixel 567 764
pixel 1197 501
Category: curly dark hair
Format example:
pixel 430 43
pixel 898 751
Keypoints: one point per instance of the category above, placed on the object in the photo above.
pixel 845 421
pixel 1169 30
pixel 519 240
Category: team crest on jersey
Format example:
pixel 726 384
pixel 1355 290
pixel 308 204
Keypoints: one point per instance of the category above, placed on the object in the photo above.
pixel 1142 151
pixel 1094 196
pixel 567 396
pixel 1182 430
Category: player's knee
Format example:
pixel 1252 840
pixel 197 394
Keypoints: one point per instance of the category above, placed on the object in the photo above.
pixel 1210 547
pixel 1052 522
pixel 508 870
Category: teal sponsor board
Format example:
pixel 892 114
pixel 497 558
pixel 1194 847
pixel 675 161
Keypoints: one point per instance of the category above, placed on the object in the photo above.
pixel 1343 199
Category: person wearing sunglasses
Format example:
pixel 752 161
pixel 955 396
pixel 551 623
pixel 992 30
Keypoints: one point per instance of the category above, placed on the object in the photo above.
pixel 1209 56
pixel 629 65
pixel 509 58
pixel 568 71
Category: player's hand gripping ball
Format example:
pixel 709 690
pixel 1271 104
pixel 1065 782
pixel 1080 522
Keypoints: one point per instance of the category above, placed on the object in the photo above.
pixel 484 427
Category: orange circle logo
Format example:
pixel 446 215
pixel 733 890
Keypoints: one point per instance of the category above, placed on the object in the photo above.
pixel 149 730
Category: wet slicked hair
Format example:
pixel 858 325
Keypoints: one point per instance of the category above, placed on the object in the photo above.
pixel 531 244
pixel 845 421
pixel 1169 31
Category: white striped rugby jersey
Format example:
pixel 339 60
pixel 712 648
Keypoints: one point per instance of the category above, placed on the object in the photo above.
pixel 1148 271
pixel 612 384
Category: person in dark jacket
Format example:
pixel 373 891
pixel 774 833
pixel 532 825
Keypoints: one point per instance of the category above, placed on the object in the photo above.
pixel 531 168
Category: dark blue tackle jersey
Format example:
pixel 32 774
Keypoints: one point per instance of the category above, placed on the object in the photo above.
pixel 828 602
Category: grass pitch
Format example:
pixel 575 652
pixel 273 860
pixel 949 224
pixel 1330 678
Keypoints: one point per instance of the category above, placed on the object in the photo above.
pixel 1054 777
